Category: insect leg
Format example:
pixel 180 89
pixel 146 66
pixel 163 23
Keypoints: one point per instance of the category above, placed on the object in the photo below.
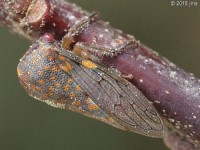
pixel 92 50
pixel 68 39
pixel 87 52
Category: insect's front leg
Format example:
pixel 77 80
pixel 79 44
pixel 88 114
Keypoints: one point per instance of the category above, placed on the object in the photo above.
pixel 92 50
pixel 68 39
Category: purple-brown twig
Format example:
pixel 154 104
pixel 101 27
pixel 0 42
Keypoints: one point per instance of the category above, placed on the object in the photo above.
pixel 174 93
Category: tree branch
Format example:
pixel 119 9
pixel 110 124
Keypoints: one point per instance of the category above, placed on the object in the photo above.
pixel 174 93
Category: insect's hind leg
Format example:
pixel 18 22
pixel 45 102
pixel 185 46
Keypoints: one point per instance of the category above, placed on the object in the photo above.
pixel 68 39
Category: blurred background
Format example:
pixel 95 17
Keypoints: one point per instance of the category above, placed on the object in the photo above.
pixel 27 124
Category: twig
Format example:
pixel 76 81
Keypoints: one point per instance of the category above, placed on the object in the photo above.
pixel 175 93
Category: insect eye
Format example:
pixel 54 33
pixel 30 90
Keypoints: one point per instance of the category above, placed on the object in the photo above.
pixel 48 37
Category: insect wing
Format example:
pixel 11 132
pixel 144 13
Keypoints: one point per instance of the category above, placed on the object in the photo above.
pixel 121 100
pixel 45 75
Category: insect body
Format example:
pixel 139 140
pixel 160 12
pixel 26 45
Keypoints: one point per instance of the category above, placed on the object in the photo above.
pixel 63 79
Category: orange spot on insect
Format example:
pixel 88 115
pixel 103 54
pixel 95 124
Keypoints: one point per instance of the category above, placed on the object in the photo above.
pixel 51 58
pixel 67 67
pixel 47 68
pixel 89 64
pixel 44 55
pixel 33 87
pixel 72 95
pixel 76 103
pixel 78 88
pixel 103 119
pixel 24 78
pixel 40 73
pixel 50 93
pixel 51 88
pixel 62 58
pixel 93 107
pixel 66 88
pixel 110 119
pixel 69 81
pixel 30 73
pixel 58 84
pixel 52 78
pixel 39 89
pixel 54 69
pixel 33 61
pixel 41 82
pixel 87 101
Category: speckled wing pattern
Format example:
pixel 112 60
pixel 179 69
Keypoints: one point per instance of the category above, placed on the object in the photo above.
pixel 65 80
pixel 117 97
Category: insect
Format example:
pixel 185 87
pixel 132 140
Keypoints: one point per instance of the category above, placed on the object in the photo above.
pixel 68 75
